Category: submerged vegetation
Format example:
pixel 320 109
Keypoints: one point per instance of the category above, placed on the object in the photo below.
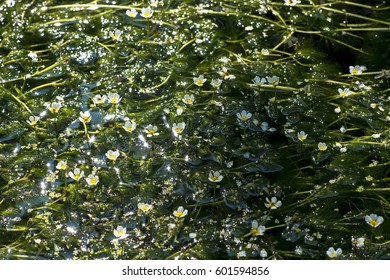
pixel 194 129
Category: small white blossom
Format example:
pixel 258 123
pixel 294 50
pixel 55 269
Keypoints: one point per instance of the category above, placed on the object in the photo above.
pixel 85 117
pixel 216 83
pixel 225 74
pixel 33 120
pixel 199 81
pixel 332 253
pixel 112 155
pixel 62 165
pixel 344 92
pixel 92 180
pixel 291 2
pixel 302 136
pixel 244 115
pixel 178 128
pixel 120 232
pixel 180 212
pixel 256 229
pixel 274 80
pixel 130 126
pixel 99 99
pixel 357 70
pixel 146 12
pixel 224 59
pixel 374 220
pixel 113 98
pixel 151 130
pixel 215 176
pixel 264 52
pixel 274 203
pixel 358 242
pixel 241 254
pixel 144 207
pixel 257 81
pixel 132 13
pixel 188 99
pixel 54 107
pixel 76 175
pixel 322 146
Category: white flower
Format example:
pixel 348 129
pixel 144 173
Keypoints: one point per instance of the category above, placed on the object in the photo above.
pixel 215 176
pixel 154 3
pixel 263 253
pixel 92 180
pixel 249 28
pixel 33 120
pixel 180 212
pixel 85 117
pixel 356 70
pixel 146 12
pixel 376 135
pixel 264 52
pixel 322 146
pixel 151 130
pixel 373 220
pixel 188 99
pixel 132 13
pixel 179 111
pixel 244 115
pixel 116 36
pixel 216 83
pixel 358 242
pixel 291 2
pixel 264 126
pixel 343 129
pixel 302 136
pixel 144 207
pixel 241 254
pixel 274 80
pixel 257 81
pixel 33 56
pixel 113 98
pixel 224 59
pixel 273 203
pixel 344 92
pixel 199 81
pixel 332 253
pixel 54 107
pixel 178 128
pixel 130 126
pixel 256 229
pixel 376 105
pixel 337 110
pixel 98 99
pixel 120 232
pixel 225 74
pixel 112 155
pixel 343 149
pixel 298 250
pixel 76 175
pixel 61 165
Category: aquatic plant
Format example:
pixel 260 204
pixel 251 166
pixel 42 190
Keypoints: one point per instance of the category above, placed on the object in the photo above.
pixel 194 129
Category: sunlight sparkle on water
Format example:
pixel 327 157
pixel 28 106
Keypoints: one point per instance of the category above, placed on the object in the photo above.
pixel 142 138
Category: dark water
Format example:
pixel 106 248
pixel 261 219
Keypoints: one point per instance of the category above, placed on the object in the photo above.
pixel 194 130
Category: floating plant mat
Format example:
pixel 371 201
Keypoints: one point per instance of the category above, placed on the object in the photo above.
pixel 194 129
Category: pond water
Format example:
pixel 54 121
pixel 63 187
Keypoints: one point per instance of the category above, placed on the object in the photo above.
pixel 248 129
